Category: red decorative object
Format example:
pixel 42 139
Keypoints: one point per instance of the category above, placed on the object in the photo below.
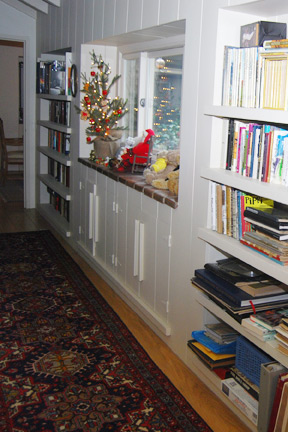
pixel 104 92
pixel 93 73
pixel 88 139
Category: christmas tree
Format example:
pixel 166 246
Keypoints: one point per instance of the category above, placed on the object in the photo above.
pixel 97 107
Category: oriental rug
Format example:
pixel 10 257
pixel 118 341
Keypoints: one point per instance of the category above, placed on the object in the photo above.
pixel 67 361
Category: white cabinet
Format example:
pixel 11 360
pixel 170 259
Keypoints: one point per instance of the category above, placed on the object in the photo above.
pixel 129 235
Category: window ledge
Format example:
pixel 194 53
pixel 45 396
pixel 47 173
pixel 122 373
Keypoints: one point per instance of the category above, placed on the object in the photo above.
pixel 135 181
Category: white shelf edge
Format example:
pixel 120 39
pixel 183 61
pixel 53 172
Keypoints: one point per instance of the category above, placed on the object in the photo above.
pixel 244 253
pixel 55 126
pixel 62 190
pixel 273 191
pixel 53 154
pixel 60 97
pixel 55 219
pixel 256 114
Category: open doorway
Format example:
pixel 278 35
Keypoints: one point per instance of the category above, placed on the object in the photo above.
pixel 11 112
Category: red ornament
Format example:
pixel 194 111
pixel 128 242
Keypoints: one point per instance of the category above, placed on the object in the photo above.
pixel 119 111
pixel 104 92
pixel 93 73
pixel 107 120
pixel 88 139
pixel 107 128
pixel 86 98
pixel 98 129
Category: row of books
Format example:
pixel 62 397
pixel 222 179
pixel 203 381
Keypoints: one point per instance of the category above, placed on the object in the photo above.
pixel 257 151
pixel 240 289
pixel 252 220
pixel 59 141
pixel 59 172
pixel 255 78
pixel 227 209
pixel 59 112
pixel 61 205
pixel 54 76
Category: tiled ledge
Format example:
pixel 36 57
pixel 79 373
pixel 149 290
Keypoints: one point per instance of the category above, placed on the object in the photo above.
pixel 135 181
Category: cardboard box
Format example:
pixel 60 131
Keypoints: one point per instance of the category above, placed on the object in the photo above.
pixel 255 34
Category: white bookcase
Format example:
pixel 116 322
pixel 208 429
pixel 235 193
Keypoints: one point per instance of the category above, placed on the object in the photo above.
pixel 53 191
pixel 230 18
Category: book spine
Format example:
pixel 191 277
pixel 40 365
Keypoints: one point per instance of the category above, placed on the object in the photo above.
pixel 246 386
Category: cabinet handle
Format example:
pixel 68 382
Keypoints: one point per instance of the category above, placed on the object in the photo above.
pixel 141 252
pixel 96 220
pixel 91 202
pixel 136 248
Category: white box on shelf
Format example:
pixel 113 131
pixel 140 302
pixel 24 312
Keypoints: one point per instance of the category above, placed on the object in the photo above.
pixel 241 398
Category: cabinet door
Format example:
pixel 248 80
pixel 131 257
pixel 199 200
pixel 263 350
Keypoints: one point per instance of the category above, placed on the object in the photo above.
pixel 121 232
pixel 163 257
pixel 133 230
pixel 111 215
pixel 147 251
pixel 100 217
pixel 90 216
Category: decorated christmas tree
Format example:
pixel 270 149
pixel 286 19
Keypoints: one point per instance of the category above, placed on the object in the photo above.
pixel 97 107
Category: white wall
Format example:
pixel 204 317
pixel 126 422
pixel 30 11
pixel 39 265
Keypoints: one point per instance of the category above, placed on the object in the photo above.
pixel 15 25
pixel 83 21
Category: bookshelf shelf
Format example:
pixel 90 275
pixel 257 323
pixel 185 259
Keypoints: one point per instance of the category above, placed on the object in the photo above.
pixel 55 219
pixel 55 126
pixel 272 191
pixel 59 188
pixel 53 154
pixel 235 248
pixel 261 115
pixel 59 97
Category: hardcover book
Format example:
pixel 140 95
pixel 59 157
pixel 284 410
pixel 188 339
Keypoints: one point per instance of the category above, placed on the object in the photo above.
pixel 233 293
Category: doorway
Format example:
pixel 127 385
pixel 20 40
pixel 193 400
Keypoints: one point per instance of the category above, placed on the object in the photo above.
pixel 11 111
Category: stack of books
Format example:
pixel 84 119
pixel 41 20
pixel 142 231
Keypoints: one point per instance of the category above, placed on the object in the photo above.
pixel 239 288
pixel 263 324
pixel 268 232
pixel 282 335
pixel 215 345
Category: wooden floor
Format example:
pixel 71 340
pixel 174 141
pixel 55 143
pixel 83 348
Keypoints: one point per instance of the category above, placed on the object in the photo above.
pixel 14 218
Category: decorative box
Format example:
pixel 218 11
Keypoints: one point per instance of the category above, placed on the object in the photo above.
pixel 255 34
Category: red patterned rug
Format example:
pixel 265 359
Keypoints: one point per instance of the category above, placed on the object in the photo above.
pixel 67 361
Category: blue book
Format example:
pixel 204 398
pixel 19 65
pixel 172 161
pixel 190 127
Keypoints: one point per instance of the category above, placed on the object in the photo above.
pixel 235 295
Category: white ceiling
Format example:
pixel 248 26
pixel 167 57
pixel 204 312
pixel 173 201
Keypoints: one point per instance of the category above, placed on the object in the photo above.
pixel 30 7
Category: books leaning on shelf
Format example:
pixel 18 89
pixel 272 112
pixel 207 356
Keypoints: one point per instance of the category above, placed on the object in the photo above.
pixel 257 151
pixel 227 209
pixel 245 382
pixel 255 78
